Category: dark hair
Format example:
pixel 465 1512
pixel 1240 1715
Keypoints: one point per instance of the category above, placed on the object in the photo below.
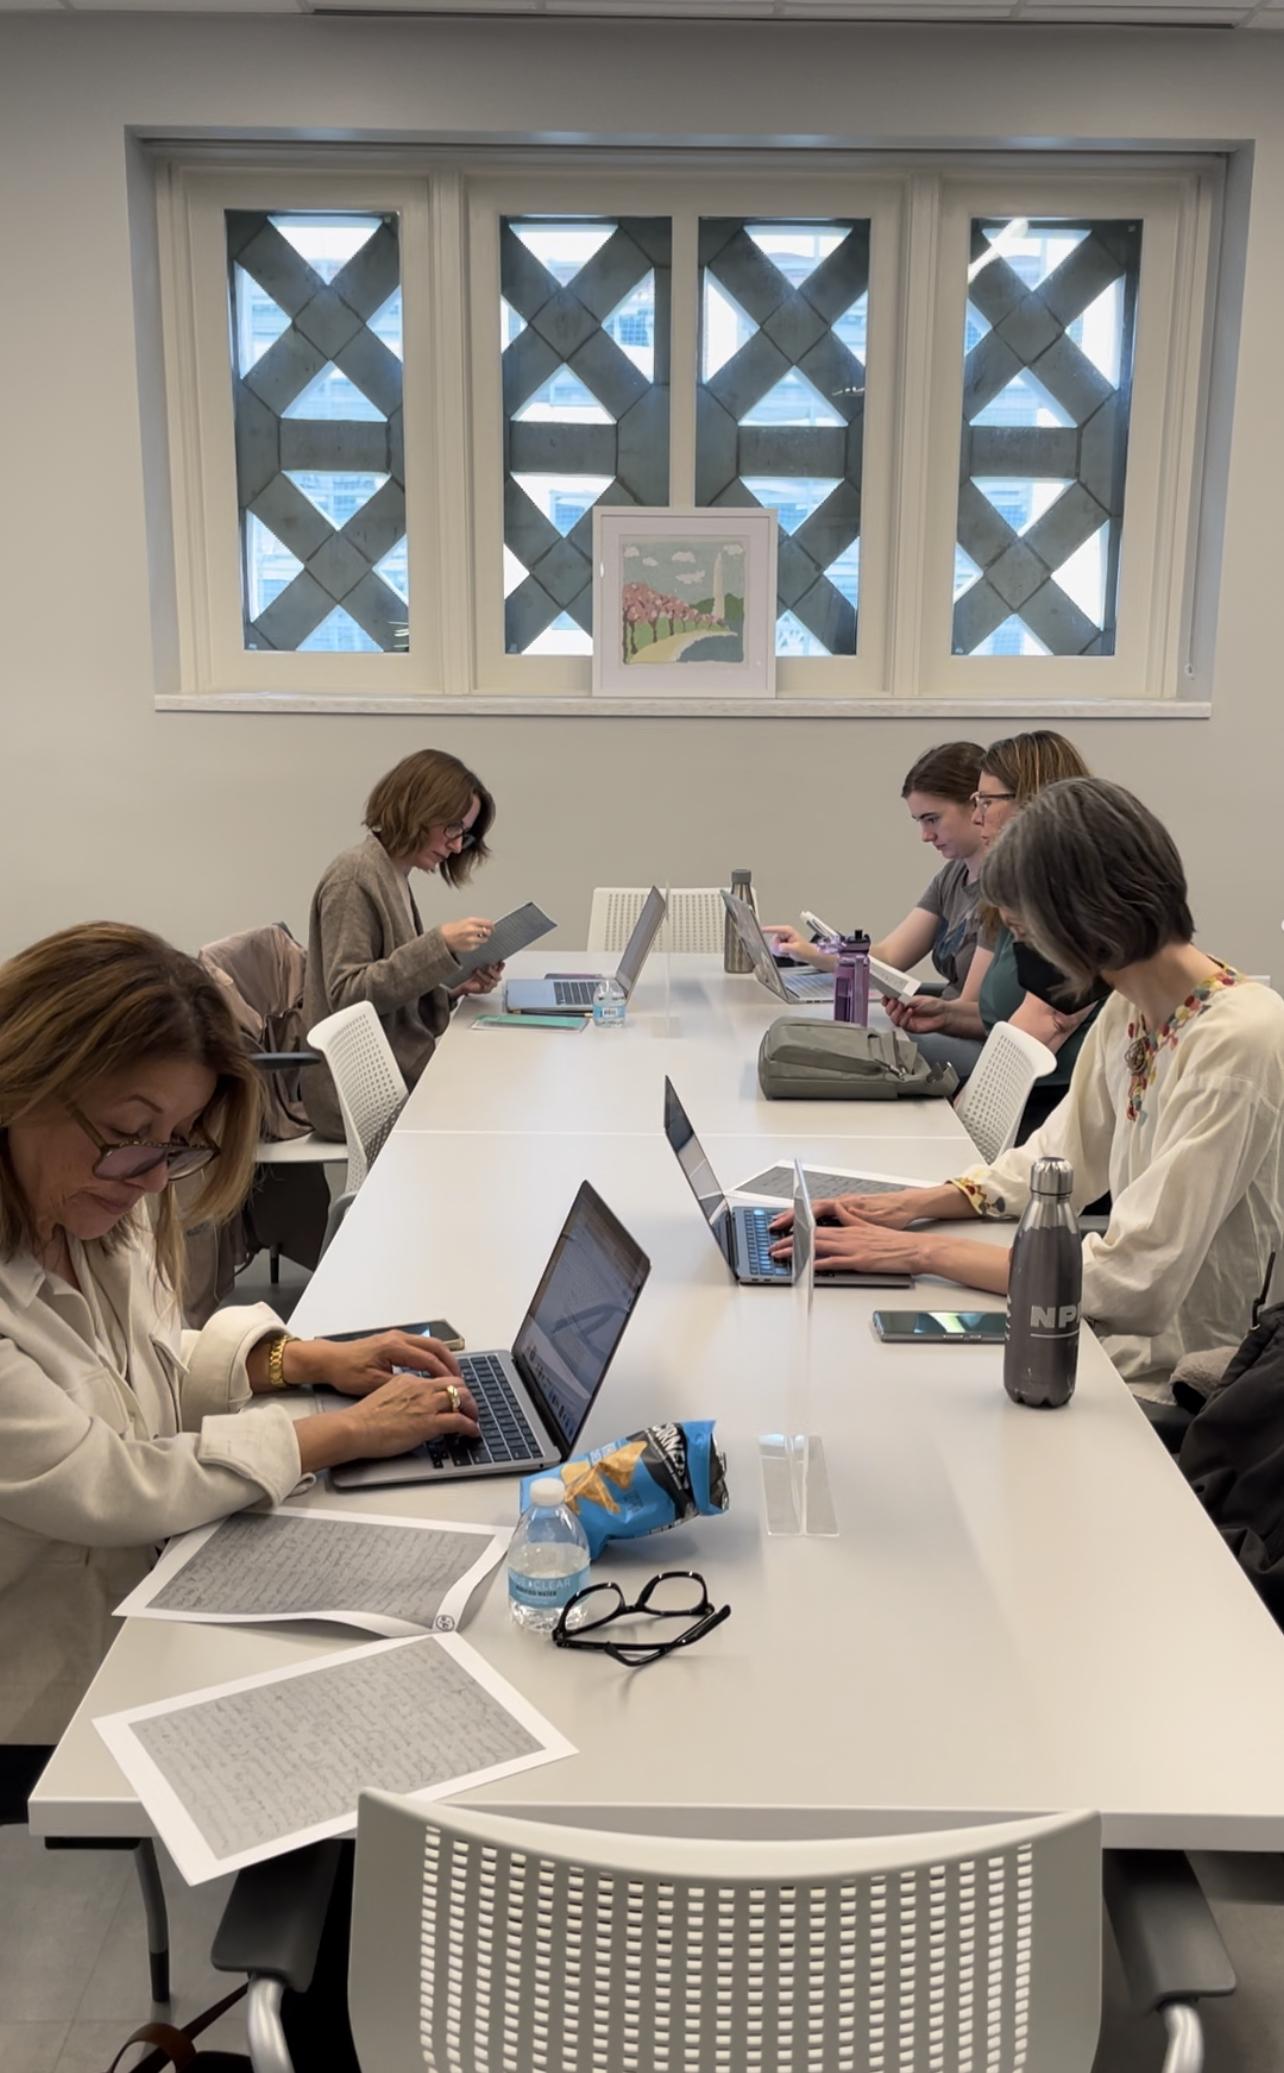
pixel 430 789
pixel 949 771
pixel 1094 876
pixel 102 999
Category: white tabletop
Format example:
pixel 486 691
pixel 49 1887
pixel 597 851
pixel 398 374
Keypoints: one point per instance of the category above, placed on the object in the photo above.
pixel 1022 1610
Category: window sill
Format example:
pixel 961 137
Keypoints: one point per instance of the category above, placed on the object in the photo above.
pixel 695 708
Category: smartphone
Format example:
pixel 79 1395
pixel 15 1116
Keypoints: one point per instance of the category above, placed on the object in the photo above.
pixel 961 1327
pixel 819 930
pixel 435 1328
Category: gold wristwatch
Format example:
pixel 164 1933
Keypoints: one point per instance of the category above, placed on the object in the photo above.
pixel 276 1359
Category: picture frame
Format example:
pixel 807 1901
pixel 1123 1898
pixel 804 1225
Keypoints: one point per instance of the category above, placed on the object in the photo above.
pixel 714 571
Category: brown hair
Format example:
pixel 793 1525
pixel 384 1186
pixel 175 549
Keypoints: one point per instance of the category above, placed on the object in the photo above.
pixel 1023 765
pixel 949 771
pixel 103 999
pixel 430 790
pixel 1095 878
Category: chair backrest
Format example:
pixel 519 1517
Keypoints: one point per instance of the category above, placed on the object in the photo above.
pixel 696 919
pixel 487 1944
pixel 998 1086
pixel 367 1080
pixel 262 971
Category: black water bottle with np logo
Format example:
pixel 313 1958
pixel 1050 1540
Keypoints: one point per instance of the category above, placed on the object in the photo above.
pixel 1045 1287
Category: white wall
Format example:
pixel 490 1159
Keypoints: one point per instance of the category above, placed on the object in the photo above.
pixel 197 824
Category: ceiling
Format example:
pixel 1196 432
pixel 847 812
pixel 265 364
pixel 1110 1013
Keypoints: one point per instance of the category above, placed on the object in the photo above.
pixel 1189 14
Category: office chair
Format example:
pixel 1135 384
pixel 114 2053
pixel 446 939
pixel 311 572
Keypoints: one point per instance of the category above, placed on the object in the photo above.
pixel 696 919
pixel 371 1091
pixel 991 1104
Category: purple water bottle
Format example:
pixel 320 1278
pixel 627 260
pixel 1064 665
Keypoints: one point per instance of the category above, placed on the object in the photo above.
pixel 851 980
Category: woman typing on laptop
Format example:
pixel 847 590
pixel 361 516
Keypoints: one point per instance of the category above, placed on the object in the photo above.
pixel 365 939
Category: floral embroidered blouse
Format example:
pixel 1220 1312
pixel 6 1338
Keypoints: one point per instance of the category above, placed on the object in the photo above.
pixel 1182 1125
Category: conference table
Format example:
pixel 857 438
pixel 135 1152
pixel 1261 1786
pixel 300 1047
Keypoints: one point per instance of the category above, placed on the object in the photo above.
pixel 1021 1610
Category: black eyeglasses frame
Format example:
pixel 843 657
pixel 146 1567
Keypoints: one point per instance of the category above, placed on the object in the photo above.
pixel 637 1654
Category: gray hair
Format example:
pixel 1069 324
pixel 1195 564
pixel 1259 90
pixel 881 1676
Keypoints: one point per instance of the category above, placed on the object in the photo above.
pixel 1095 878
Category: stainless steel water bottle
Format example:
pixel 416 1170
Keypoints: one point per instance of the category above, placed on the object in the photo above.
pixel 1045 1287
pixel 735 958
pixel 851 980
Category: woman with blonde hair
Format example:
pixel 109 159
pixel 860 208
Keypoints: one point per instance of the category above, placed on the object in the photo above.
pixel 366 941
pixel 121 1069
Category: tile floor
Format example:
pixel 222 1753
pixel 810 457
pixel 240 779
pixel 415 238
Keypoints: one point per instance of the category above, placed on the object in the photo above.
pixel 73 1949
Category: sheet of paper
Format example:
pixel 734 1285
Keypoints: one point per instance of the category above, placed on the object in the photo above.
pixel 385 1575
pixel 525 925
pixel 777 1183
pixel 265 1764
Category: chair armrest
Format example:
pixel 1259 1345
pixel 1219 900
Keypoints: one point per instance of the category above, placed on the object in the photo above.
pixel 275 1914
pixel 285 1061
pixel 1170 1946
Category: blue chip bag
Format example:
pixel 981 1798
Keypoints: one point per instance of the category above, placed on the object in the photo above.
pixel 651 1480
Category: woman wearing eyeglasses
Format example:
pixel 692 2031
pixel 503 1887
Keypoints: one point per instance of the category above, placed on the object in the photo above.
pixel 366 941
pixel 121 1068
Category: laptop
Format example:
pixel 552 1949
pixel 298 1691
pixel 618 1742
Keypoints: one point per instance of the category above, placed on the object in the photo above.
pixel 574 995
pixel 788 983
pixel 533 1403
pixel 742 1230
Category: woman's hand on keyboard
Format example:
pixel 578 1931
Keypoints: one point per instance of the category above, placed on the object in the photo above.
pixel 356 1366
pixel 393 1419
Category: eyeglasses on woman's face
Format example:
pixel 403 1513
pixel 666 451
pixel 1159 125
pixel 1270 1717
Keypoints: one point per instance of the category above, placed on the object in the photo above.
pixel 982 801
pixel 129 1158
pixel 459 836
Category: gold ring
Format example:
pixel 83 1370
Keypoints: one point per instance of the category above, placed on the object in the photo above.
pixel 452 1396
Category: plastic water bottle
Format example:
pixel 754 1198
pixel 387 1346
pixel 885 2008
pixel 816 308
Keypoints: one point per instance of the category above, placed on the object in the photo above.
pixel 1045 1287
pixel 735 958
pixel 548 1558
pixel 609 1004
pixel 851 980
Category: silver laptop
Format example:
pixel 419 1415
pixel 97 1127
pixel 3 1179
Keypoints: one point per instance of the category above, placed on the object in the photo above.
pixel 574 995
pixel 786 984
pixel 741 1230
pixel 533 1404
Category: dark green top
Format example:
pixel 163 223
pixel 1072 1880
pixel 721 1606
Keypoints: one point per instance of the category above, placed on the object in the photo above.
pixel 1002 994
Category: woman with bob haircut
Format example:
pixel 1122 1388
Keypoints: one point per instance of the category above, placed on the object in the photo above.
pixel 938 790
pixel 1175 1105
pixel 121 1069
pixel 365 939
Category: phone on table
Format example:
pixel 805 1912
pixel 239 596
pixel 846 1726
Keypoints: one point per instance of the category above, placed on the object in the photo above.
pixel 942 1327
pixel 435 1328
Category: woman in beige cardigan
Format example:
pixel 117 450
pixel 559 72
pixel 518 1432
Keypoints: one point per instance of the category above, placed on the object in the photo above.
pixel 365 939
pixel 121 1068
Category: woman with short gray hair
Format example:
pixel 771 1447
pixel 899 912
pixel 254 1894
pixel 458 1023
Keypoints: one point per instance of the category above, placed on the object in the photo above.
pixel 1175 1106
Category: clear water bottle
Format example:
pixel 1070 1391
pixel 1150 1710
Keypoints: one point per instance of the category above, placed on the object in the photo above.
pixel 735 958
pixel 851 980
pixel 609 1004
pixel 548 1558
pixel 1045 1288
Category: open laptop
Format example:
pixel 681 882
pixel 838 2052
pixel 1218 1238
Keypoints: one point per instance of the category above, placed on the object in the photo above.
pixel 742 1230
pixel 574 996
pixel 533 1404
pixel 787 983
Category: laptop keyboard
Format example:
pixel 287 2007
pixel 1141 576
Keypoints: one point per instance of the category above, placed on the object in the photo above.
pixel 757 1239
pixel 809 986
pixel 505 1434
pixel 574 993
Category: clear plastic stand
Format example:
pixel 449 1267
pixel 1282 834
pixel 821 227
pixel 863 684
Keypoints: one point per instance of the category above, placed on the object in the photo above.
pixel 668 961
pixel 795 1479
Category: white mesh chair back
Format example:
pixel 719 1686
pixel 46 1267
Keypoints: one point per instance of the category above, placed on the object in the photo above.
pixel 695 920
pixel 486 1944
pixel 990 1106
pixel 367 1080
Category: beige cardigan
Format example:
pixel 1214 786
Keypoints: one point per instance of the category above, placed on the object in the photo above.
pixel 103 1458
pixel 367 943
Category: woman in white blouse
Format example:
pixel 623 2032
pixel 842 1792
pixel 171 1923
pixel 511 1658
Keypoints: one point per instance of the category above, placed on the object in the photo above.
pixel 1175 1106
pixel 121 1068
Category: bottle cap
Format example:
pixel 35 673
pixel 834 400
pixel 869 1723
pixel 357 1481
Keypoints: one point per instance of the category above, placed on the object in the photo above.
pixel 1051 1177
pixel 548 1490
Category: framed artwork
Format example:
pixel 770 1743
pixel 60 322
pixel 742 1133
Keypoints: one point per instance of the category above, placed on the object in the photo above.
pixel 684 603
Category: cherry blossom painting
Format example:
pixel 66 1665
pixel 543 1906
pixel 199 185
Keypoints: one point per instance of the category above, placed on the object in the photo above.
pixel 685 602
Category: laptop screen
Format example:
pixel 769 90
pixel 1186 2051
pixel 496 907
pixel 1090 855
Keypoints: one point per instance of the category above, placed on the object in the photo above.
pixel 645 930
pixel 577 1317
pixel 690 1155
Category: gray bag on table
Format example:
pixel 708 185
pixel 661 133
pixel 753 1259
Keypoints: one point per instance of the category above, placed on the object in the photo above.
pixel 802 1060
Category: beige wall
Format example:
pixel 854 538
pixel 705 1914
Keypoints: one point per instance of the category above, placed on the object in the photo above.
pixel 197 824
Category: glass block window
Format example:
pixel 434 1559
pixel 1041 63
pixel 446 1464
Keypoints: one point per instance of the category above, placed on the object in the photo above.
pixel 781 406
pixel 1047 389
pixel 585 358
pixel 316 365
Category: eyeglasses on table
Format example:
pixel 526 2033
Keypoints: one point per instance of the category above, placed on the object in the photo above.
pixel 674 1595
